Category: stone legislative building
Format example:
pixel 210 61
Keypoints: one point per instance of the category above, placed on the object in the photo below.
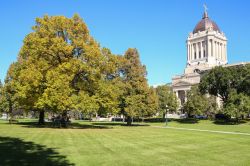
pixel 206 48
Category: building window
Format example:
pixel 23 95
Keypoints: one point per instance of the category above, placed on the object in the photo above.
pixel 199 54
pixel 194 55
pixel 204 53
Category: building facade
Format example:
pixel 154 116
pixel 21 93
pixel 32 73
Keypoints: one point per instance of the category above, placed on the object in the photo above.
pixel 206 48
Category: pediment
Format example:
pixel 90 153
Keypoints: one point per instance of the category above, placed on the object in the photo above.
pixel 182 83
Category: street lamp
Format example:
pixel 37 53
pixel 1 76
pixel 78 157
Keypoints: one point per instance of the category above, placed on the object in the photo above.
pixel 166 115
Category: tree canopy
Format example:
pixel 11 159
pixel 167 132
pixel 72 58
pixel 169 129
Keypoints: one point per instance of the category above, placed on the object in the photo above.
pixel 199 104
pixel 61 67
pixel 231 84
pixel 166 97
pixel 138 99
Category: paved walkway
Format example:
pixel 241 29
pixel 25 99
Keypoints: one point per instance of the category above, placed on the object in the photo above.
pixel 210 131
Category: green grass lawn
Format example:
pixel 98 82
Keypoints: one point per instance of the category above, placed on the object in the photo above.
pixel 243 127
pixel 86 143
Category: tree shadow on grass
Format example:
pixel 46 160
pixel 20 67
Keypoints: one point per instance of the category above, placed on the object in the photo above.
pixel 118 124
pixel 187 120
pixel 230 122
pixel 73 125
pixel 14 151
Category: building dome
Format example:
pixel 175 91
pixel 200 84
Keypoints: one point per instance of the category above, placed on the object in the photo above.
pixel 205 24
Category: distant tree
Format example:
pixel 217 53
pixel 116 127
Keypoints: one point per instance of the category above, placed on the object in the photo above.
pixel 198 104
pixel 238 105
pixel 152 102
pixel 241 75
pixel 1 97
pixel 220 81
pixel 217 82
pixel 8 97
pixel 135 100
pixel 166 97
pixel 231 84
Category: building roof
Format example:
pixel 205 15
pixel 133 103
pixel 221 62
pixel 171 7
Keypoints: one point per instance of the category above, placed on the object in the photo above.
pixel 205 24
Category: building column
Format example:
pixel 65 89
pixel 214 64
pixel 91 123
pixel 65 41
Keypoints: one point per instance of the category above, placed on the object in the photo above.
pixel 222 52
pixel 224 58
pixel 208 48
pixel 192 46
pixel 194 49
pixel 189 52
pixel 197 50
pixel 185 94
pixel 217 50
pixel 214 48
pixel 226 52
pixel 201 49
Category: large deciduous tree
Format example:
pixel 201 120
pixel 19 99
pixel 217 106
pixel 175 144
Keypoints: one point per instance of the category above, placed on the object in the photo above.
pixel 231 84
pixel 217 82
pixel 59 60
pixel 220 81
pixel 61 67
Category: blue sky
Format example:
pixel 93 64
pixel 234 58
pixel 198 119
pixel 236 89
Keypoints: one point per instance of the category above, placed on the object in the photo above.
pixel 157 28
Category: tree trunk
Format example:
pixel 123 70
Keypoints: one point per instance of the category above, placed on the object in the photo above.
pixel 41 118
pixel 163 117
pixel 10 109
pixel 129 121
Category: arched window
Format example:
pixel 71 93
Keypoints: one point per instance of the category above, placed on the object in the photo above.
pixel 197 71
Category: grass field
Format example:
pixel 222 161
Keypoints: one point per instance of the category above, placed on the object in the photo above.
pixel 108 144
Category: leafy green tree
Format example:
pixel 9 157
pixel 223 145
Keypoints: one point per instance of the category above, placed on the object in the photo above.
pixel 166 97
pixel 59 59
pixel 220 81
pixel 217 82
pixel 8 97
pixel 198 104
pixel 86 104
pixel 152 102
pixel 241 81
pixel 135 98
pixel 1 97
pixel 238 105
pixel 231 84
